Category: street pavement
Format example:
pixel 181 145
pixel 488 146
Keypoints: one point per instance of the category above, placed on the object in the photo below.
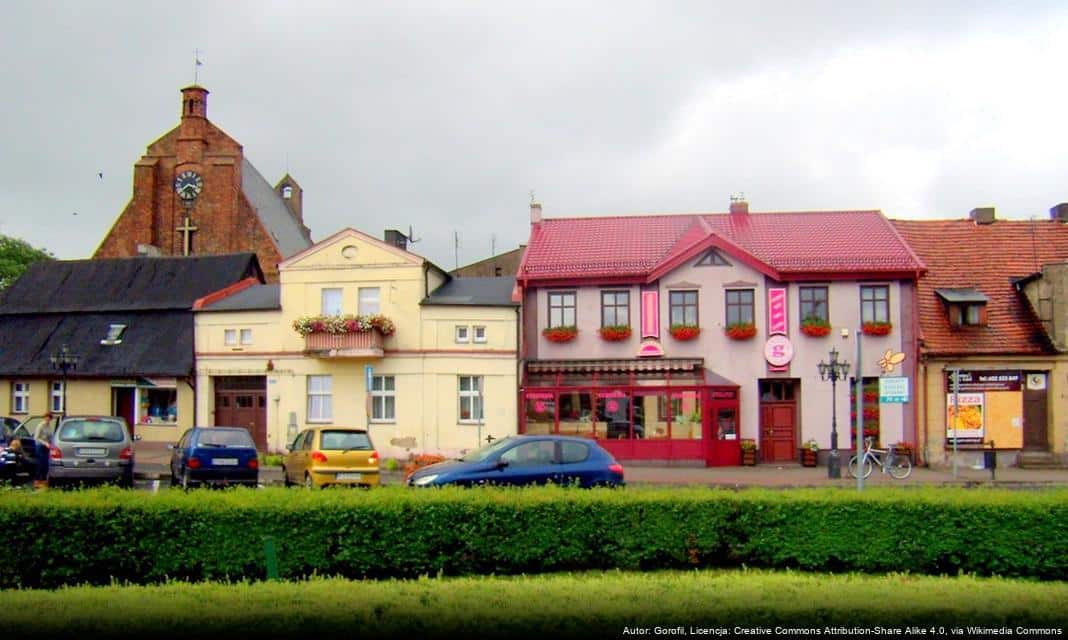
pixel 152 464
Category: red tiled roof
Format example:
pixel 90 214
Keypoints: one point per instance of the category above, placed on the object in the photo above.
pixel 987 257
pixel 820 242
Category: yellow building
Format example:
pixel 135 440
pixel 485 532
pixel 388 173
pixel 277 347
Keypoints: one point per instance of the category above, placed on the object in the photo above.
pixel 388 341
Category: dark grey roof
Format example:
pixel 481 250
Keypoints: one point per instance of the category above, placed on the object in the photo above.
pixel 273 212
pixel 962 295
pixel 124 284
pixel 154 343
pixel 255 298
pixel 483 292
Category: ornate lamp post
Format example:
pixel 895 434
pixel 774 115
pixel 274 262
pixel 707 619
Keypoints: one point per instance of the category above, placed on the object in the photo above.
pixel 834 371
pixel 64 360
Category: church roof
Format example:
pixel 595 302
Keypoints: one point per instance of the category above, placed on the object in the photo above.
pixel 273 212
pixel 124 284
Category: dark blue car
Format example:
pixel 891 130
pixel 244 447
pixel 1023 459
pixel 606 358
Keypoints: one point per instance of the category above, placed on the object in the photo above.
pixel 527 460
pixel 219 456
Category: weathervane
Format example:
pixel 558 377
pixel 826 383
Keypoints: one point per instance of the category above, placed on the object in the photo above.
pixel 196 65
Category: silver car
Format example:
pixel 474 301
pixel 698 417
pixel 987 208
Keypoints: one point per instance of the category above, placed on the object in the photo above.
pixel 87 448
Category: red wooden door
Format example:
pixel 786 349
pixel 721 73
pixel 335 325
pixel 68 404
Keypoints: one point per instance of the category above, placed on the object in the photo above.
pixel 778 423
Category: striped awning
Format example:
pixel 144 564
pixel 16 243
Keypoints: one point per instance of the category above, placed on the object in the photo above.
pixel 615 366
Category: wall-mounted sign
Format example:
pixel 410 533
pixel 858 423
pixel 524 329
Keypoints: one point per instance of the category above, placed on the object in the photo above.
pixel 778 351
pixel 891 360
pixel 894 389
pixel 651 314
pixel 1036 381
pixel 990 380
pixel 777 318
pixel 540 395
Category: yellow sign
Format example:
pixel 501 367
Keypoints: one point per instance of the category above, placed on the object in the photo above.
pixel 891 360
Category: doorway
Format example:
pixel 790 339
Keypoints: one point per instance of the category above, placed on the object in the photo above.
pixel 778 421
pixel 1036 418
pixel 241 401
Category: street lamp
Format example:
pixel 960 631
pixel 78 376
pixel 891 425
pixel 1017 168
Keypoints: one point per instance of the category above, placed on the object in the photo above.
pixel 64 360
pixel 834 371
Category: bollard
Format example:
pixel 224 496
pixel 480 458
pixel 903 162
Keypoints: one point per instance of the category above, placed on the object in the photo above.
pixel 271 555
pixel 990 460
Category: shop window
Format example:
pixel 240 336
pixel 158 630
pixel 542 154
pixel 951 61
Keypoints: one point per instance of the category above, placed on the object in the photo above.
pixel 539 413
pixel 320 399
pixel 383 399
pixel 20 397
pixel 685 416
pixel 875 303
pixel 576 413
pixel 813 303
pixel 615 308
pixel 369 303
pixel 330 302
pixel 727 424
pixel 157 406
pixel 682 307
pixel 471 399
pixel 613 409
pixel 561 309
pixel 740 306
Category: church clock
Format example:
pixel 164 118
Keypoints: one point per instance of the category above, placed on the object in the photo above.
pixel 188 185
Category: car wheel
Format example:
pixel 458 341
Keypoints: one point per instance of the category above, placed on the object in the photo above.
pixel 285 477
pixel 127 481
pixel 308 484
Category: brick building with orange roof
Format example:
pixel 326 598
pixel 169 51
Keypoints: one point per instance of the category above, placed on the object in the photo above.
pixel 992 304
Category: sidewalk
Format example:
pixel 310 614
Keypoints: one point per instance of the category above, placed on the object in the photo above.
pixel 152 462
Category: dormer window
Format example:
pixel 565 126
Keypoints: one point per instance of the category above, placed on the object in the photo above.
pixel 287 192
pixel 965 307
pixel 114 335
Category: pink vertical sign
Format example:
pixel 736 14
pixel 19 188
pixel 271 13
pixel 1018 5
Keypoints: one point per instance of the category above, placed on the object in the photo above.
pixel 650 314
pixel 777 311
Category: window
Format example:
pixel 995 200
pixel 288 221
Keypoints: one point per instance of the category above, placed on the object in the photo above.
pixel 973 315
pixel 246 336
pixel 740 306
pixel 561 309
pixel 480 334
pixel 287 192
pixel 712 258
pixel 230 337
pixel 462 334
pixel 529 454
pixel 470 399
pixel 55 403
pixel 114 334
pixel 572 452
pixel 368 302
pixel 875 303
pixel 615 308
pixel 683 307
pixel 20 397
pixel 814 303
pixel 331 302
pixel 383 399
pixel 157 405
pixel 320 401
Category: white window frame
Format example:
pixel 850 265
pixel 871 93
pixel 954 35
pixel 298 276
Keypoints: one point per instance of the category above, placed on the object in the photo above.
pixel 114 335
pixel 246 336
pixel 55 396
pixel 20 397
pixel 230 337
pixel 324 392
pixel 463 334
pixel 478 334
pixel 364 304
pixel 327 301
pixel 379 393
pixel 473 396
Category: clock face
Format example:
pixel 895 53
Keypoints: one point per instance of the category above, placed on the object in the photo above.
pixel 188 185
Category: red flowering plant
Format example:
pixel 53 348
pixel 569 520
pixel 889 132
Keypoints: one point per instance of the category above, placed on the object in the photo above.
pixel 684 331
pixel 815 327
pixel 560 334
pixel 419 461
pixel 615 332
pixel 876 328
pixel 741 330
pixel 344 324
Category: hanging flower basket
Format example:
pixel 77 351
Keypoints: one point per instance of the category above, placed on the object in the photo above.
pixel 684 331
pixel 741 331
pixel 615 333
pixel 815 327
pixel 560 334
pixel 876 328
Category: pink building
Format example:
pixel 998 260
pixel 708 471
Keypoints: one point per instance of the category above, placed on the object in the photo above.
pixel 673 338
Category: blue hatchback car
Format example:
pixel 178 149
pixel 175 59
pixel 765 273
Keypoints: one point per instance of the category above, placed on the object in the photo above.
pixel 527 460
pixel 219 456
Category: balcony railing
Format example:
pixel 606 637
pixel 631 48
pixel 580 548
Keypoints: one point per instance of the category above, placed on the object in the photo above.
pixel 367 344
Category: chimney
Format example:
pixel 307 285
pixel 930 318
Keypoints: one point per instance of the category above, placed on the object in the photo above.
pixel 982 215
pixel 1059 212
pixel 535 212
pixel 397 239
pixel 739 205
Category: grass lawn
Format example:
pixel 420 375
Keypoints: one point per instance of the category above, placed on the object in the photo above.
pixel 593 604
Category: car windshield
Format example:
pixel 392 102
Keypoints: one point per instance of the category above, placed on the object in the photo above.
pixel 90 430
pixel 486 452
pixel 344 441
pixel 225 438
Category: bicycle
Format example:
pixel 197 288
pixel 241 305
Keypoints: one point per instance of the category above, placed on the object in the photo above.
pixel 899 467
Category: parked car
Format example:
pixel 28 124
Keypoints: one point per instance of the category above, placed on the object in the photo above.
pixel 527 460
pixel 7 426
pixel 325 456
pixel 91 448
pixel 219 456
pixel 27 444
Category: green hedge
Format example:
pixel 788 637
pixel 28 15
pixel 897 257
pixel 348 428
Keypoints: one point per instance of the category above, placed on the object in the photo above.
pixel 56 538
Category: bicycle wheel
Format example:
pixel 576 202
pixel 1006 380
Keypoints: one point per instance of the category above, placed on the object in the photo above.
pixel 865 468
pixel 900 467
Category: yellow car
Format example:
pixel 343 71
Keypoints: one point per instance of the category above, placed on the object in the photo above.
pixel 326 456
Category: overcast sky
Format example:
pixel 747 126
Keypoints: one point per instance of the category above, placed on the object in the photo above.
pixel 444 116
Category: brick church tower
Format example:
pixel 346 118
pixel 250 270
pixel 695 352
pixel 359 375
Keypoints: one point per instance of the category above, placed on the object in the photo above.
pixel 195 193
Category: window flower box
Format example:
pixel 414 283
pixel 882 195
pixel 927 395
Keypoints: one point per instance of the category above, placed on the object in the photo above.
pixel 560 334
pixel 341 324
pixel 684 331
pixel 615 333
pixel 876 328
pixel 815 327
pixel 741 331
